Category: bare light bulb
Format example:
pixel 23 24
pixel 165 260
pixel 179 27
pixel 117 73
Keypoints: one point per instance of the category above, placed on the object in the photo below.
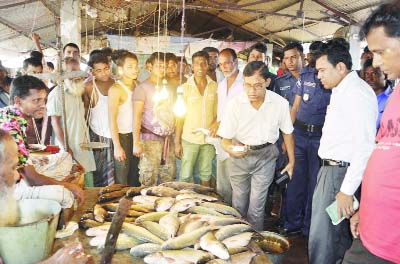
pixel 180 107
pixel 164 90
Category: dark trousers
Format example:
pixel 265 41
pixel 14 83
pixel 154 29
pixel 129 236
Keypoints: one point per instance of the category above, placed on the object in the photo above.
pixel 358 254
pixel 127 171
pixel 297 199
pixel 327 242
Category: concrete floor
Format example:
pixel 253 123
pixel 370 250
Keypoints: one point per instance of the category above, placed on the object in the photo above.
pixel 297 253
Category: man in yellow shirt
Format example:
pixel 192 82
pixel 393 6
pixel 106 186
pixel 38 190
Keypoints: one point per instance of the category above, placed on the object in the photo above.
pixel 200 96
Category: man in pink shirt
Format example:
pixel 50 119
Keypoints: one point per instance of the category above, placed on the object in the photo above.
pixel 376 227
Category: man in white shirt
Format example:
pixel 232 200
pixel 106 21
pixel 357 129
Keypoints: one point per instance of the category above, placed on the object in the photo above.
pixel 250 128
pixel 228 88
pixel 348 138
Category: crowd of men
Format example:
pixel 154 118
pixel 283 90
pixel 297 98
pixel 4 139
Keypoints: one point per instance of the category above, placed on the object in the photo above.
pixel 329 127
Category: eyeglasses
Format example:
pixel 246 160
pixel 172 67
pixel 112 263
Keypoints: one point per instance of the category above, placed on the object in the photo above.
pixel 256 86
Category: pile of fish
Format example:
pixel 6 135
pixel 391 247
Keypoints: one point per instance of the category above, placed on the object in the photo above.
pixel 175 222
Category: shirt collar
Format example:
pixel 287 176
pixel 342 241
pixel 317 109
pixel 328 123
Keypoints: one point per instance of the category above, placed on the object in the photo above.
pixel 192 82
pixel 346 81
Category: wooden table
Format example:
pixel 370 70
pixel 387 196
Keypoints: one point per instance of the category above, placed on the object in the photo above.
pixel 91 195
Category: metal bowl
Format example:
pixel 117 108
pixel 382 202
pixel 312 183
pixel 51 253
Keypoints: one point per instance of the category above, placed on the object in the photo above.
pixel 274 245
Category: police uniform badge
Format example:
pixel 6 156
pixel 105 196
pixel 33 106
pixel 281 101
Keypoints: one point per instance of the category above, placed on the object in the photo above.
pixel 306 97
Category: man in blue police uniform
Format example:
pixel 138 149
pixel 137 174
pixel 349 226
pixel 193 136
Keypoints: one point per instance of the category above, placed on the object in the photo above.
pixel 308 114
pixel 285 85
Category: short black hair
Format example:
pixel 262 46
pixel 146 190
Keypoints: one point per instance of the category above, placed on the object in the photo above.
pixel 366 50
pixel 71 45
pixel 231 51
pixel 93 52
pixel 107 51
pixel 315 46
pixel 31 61
pixel 122 55
pixel 210 49
pixel 294 45
pixel 201 53
pixel 36 54
pixel 386 16
pixel 21 85
pixel 98 58
pixel 50 65
pixel 336 50
pixel 260 47
pixel 156 56
pixel 257 66
pixel 368 63
pixel 170 56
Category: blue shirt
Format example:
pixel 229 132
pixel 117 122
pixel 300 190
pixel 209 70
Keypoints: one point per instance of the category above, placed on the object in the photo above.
pixel 382 99
pixel 315 98
pixel 285 86
pixel 4 98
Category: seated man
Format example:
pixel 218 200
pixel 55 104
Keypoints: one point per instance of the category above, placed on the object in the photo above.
pixel 77 130
pixel 9 216
pixel 28 99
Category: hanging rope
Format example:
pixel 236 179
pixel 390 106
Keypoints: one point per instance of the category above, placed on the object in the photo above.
pixel 182 36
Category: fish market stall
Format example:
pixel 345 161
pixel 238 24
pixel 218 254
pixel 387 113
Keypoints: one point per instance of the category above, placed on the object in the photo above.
pixel 176 222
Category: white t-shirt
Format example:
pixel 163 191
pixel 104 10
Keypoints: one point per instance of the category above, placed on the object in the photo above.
pixel 77 131
pixel 241 121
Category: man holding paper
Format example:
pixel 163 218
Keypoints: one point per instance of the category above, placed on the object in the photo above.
pixel 348 138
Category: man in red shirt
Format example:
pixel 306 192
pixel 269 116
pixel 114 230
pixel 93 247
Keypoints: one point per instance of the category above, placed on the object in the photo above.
pixel 377 224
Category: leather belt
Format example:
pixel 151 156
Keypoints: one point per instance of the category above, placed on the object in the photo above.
pixel 307 127
pixel 257 147
pixel 340 163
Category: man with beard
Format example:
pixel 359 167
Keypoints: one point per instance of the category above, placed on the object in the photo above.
pixel 376 79
pixel 28 100
pixel 213 72
pixel 96 101
pixel 228 88
pixel 77 131
pixel 9 207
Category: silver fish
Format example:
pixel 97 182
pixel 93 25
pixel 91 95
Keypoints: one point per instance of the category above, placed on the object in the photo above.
pixel 189 226
pixel 145 199
pixel 203 210
pixel 217 261
pixel 242 258
pixel 187 239
pixel 170 222
pixel 123 242
pixel 231 230
pixel 186 185
pixel 154 216
pixel 98 230
pixel 184 204
pixel 163 203
pixel 160 191
pixel 178 256
pixel 145 249
pixel 141 233
pixel 156 229
pixel 209 243
pixel 196 196
pixel 224 209
pixel 240 240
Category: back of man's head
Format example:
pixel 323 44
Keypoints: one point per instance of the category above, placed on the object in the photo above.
pixel 34 62
pixel 21 85
pixel 36 54
pixel 210 49
pixel 336 50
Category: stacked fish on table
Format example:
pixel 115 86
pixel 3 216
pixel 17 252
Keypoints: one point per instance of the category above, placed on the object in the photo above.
pixel 175 222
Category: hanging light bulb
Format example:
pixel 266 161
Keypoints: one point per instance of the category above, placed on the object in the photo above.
pixel 157 95
pixel 164 90
pixel 180 107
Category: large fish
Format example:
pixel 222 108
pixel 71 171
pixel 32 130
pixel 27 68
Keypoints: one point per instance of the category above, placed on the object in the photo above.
pixel 184 204
pixel 160 191
pixel 123 242
pixel 141 233
pixel 111 196
pixel 187 186
pixel 98 230
pixel 240 240
pixel 170 222
pixel 163 203
pixel 217 261
pixel 140 251
pixel 231 230
pixel 134 213
pixel 154 216
pixel 189 226
pixel 209 243
pixel 242 258
pixel 134 191
pixel 88 223
pixel 178 256
pixel 196 196
pixel 187 239
pixel 224 209
pixel 203 210
pixel 112 188
pixel 145 199
pixel 156 229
